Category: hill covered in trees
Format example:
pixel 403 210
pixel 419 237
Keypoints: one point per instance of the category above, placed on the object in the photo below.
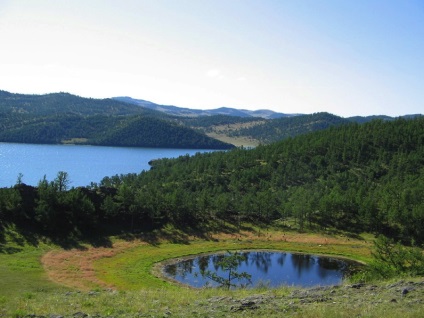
pixel 65 118
pixel 352 177
pixel 266 131
pixel 281 128
pixel 65 103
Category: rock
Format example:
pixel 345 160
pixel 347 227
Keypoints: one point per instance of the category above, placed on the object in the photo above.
pixel 79 315
pixel 218 299
pixel 397 284
pixel 250 302
pixel 357 285
pixel 245 305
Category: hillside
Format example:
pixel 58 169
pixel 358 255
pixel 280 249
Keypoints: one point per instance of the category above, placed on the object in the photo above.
pixel 354 177
pixel 325 192
pixel 282 128
pixel 188 112
pixel 65 118
pixel 357 178
pixel 65 103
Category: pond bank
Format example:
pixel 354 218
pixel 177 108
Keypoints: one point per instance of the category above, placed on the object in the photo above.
pixel 127 265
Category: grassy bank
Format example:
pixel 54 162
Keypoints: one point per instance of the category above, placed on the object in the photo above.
pixel 132 268
pixel 118 281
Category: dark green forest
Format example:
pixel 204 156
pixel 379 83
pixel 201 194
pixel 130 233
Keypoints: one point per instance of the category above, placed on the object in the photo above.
pixel 64 103
pixel 61 117
pixel 128 131
pixel 356 178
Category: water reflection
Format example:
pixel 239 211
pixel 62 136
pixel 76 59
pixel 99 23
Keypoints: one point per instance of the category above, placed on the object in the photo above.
pixel 275 268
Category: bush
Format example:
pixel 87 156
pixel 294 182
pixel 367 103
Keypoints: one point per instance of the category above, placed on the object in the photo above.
pixel 393 259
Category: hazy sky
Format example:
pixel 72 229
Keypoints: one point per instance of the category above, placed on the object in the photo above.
pixel 346 57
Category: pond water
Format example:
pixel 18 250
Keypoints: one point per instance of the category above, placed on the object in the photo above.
pixel 84 164
pixel 267 268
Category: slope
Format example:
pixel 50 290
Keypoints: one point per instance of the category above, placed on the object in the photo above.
pixel 65 118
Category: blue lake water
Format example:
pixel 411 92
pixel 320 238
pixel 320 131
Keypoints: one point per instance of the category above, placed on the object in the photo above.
pixel 272 269
pixel 84 164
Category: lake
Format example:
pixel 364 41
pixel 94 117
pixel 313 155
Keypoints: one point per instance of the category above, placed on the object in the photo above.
pixel 84 164
pixel 269 268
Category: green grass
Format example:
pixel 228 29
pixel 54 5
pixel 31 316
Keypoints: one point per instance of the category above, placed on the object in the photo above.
pixel 26 290
pixel 22 276
pixel 20 268
pixel 132 269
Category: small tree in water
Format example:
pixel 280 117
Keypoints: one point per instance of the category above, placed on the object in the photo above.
pixel 229 264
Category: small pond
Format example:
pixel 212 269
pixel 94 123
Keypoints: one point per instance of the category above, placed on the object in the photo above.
pixel 268 268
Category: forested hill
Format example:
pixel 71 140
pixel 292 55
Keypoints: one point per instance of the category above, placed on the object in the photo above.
pixel 366 177
pixel 353 177
pixel 65 118
pixel 277 129
pixel 65 103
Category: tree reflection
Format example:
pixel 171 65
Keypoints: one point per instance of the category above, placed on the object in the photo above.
pixel 171 270
pixel 203 262
pixel 299 269
pixel 302 262
pixel 281 258
pixel 262 260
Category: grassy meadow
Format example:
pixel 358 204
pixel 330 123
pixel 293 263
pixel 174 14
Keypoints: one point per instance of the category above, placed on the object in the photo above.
pixel 123 280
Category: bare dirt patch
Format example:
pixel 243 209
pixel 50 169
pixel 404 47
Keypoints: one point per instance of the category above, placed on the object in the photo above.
pixel 236 141
pixel 74 268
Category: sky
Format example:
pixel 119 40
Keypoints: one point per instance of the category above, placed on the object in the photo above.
pixel 346 57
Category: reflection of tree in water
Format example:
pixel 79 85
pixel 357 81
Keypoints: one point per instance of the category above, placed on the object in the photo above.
pixel 331 264
pixel 326 265
pixel 262 260
pixel 203 262
pixel 180 269
pixel 216 259
pixel 171 270
pixel 302 262
pixel 187 266
pixel 281 258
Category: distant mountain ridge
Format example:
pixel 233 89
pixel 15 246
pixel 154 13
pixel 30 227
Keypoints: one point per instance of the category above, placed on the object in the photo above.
pixel 188 112
pixel 124 121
